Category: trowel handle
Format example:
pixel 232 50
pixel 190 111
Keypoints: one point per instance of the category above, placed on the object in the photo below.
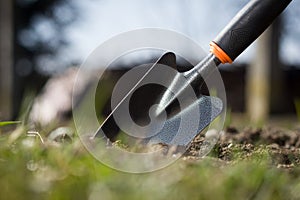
pixel 246 27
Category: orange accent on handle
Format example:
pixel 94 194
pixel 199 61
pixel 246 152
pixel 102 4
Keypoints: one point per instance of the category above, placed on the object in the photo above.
pixel 219 53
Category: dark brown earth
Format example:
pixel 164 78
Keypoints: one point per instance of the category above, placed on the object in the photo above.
pixel 280 146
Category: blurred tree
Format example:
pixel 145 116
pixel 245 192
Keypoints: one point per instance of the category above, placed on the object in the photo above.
pixel 5 59
pixel 265 78
pixel 38 28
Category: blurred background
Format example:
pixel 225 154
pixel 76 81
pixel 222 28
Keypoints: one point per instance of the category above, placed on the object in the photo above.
pixel 40 39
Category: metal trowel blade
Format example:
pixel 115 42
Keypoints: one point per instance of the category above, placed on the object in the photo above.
pixel 177 132
pixel 181 125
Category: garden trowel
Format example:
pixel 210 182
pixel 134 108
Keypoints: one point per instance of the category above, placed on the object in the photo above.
pixel 160 117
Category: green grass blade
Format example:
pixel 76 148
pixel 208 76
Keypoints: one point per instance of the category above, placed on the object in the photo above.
pixel 6 123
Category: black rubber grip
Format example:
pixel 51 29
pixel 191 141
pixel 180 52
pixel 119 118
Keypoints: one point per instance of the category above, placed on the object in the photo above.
pixel 248 25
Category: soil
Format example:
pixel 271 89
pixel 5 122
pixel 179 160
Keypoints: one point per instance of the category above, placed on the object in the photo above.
pixel 281 145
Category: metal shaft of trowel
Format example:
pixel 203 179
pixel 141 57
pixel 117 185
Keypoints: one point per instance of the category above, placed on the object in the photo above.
pixel 194 78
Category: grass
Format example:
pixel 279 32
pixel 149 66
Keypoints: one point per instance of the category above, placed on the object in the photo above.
pixel 6 123
pixel 34 169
